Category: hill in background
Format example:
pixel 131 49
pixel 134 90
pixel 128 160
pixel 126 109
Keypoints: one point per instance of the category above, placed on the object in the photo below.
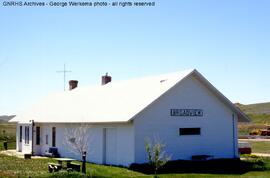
pixel 6 118
pixel 259 108
pixel 258 113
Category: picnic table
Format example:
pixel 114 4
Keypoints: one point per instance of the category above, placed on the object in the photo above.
pixel 67 160
pixel 69 166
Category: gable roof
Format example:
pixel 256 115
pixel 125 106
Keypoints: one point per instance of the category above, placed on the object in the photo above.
pixel 113 102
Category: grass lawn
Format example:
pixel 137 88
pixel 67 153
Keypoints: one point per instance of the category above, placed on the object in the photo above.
pixel 7 133
pixel 260 146
pixel 17 167
pixel 7 129
pixel 11 145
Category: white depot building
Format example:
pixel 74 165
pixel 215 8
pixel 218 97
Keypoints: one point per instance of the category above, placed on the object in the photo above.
pixel 184 110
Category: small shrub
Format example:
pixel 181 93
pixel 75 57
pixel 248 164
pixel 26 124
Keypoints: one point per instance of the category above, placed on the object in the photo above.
pixel 249 156
pixel 255 132
pixel 155 154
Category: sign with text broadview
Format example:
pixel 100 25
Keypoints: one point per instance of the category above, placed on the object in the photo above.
pixel 187 112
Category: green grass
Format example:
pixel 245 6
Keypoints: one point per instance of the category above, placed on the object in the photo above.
pixel 260 118
pixel 11 145
pixel 260 146
pixel 258 108
pixel 258 113
pixel 9 128
pixel 8 133
pixel 17 167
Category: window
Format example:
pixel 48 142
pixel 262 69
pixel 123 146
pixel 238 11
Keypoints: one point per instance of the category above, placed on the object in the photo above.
pixel 26 134
pixel 20 133
pixel 72 140
pixel 53 136
pixel 47 139
pixel 37 135
pixel 190 131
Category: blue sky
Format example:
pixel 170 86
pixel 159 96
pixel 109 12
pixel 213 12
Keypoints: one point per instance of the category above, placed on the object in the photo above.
pixel 227 41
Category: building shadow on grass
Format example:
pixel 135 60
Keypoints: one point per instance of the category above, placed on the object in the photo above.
pixel 216 166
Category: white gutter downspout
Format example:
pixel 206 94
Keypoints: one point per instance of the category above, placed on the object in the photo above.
pixel 32 146
pixel 235 140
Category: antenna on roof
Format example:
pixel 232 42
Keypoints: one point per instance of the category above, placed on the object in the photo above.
pixel 64 72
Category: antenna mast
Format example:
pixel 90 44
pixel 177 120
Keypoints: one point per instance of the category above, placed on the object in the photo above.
pixel 64 73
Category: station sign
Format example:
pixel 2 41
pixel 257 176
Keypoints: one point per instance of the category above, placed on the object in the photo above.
pixel 187 112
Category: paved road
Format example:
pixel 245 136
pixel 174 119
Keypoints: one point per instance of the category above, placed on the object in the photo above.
pixel 261 154
pixel 255 140
pixel 18 154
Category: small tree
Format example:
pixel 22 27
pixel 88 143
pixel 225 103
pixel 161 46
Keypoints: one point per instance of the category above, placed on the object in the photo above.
pixel 155 154
pixel 78 140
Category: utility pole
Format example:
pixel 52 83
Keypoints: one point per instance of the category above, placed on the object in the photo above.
pixel 64 72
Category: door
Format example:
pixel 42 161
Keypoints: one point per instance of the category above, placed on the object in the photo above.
pixel 37 138
pixel 110 146
pixel 53 136
pixel 20 139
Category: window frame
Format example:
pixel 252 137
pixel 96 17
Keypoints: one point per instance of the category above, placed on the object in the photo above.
pixel 37 135
pixel 20 134
pixel 190 131
pixel 26 134
pixel 53 136
pixel 47 139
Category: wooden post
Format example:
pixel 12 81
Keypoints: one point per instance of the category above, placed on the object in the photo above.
pixel 83 162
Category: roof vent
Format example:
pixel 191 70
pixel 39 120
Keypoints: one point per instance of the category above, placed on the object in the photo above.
pixel 164 80
pixel 106 79
pixel 73 84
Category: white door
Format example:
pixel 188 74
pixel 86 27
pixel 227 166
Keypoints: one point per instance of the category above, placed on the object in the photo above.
pixel 110 146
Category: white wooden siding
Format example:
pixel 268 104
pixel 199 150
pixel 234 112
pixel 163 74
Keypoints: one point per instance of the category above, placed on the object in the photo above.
pixel 216 137
pixel 124 139
pixel 22 146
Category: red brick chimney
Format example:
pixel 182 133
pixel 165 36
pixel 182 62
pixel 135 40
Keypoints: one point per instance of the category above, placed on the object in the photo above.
pixel 73 84
pixel 106 79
